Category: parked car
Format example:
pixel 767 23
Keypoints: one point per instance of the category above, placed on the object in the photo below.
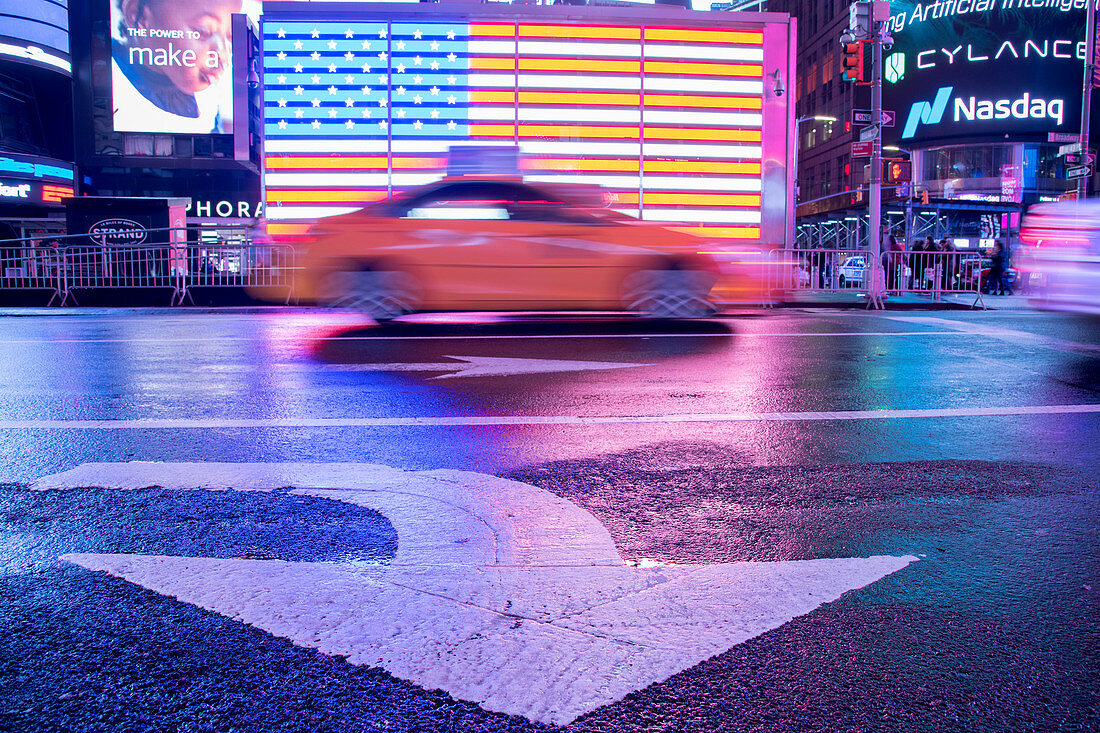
pixel 497 243
pixel 851 272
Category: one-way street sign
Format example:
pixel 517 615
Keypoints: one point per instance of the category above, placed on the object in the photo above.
pixel 1078 171
pixel 864 117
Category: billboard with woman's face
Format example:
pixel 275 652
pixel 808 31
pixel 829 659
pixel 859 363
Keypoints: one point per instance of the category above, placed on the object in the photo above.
pixel 171 65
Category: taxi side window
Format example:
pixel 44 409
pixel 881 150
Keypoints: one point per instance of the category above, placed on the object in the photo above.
pixel 558 212
pixel 464 201
pixel 465 210
pixel 485 200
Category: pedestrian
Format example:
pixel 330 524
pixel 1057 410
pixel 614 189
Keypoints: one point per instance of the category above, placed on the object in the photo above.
pixel 915 263
pixel 893 259
pixel 950 264
pixel 995 280
pixel 1008 275
pixel 926 267
pixel 884 258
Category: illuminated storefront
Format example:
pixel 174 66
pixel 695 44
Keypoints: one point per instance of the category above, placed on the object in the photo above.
pixel 36 151
pixel 679 116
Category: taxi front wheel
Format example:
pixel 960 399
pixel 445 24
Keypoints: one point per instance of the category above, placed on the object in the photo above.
pixel 671 293
pixel 381 294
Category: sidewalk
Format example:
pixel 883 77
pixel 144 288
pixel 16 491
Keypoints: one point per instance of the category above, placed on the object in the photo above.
pixel 995 302
pixel 907 301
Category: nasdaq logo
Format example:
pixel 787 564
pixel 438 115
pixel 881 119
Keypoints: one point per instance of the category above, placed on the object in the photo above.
pixel 928 113
pixel 1022 108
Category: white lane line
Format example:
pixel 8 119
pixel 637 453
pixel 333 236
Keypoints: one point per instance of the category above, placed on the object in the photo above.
pixel 1020 338
pixel 267 338
pixel 486 420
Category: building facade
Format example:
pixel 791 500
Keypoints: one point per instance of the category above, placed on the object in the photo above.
pixel 984 96
pixel 36 152
pixel 169 108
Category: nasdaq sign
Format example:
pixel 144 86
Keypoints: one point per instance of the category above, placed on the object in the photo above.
pixel 986 68
pixel 930 113
pixel 970 109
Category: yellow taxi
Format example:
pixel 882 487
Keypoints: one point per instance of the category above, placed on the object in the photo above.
pixel 495 243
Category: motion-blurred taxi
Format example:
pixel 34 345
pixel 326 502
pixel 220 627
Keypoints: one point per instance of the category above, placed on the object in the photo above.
pixel 493 243
pixel 1060 263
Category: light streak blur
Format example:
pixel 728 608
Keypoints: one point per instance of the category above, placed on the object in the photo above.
pixel 1060 260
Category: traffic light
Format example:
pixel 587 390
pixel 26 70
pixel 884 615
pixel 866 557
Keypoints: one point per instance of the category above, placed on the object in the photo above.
pixel 897 171
pixel 852 64
pixel 856 64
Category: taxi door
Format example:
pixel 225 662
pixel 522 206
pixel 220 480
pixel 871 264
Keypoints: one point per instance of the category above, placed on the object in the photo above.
pixel 463 245
pixel 575 259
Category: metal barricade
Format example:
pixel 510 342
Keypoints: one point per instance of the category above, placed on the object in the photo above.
pixel 934 273
pixel 832 270
pixel 90 267
pixel 250 265
pixel 32 267
pixel 70 265
pixel 846 270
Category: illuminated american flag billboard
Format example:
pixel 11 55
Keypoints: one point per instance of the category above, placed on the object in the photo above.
pixel 667 118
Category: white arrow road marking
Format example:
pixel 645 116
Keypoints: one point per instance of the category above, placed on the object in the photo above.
pixel 500 593
pixel 487 366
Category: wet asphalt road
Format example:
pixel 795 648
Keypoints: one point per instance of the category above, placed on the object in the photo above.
pixel 995 628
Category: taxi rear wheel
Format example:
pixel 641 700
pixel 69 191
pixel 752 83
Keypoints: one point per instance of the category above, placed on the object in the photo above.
pixel 381 294
pixel 669 293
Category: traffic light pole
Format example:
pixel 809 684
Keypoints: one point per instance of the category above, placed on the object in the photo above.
pixel 1086 93
pixel 876 287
